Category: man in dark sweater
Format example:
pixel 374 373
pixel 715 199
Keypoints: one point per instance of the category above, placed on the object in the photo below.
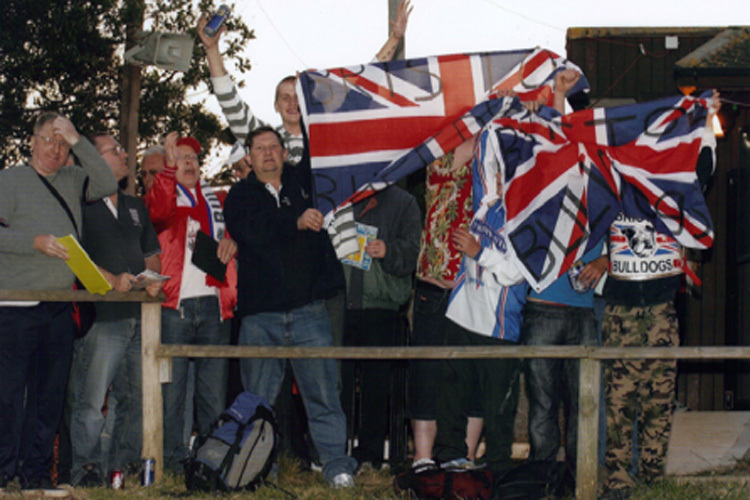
pixel 282 263
pixel 119 237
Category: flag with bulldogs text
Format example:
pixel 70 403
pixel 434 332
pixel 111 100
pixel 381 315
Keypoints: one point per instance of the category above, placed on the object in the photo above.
pixel 370 125
pixel 567 177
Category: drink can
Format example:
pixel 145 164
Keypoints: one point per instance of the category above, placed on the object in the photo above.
pixel 573 274
pixel 217 21
pixel 148 472
pixel 116 479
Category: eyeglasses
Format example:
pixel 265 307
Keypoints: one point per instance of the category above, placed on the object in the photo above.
pixel 49 141
pixel 118 150
pixel 189 156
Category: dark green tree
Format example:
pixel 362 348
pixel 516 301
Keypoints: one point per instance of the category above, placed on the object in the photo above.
pixel 67 56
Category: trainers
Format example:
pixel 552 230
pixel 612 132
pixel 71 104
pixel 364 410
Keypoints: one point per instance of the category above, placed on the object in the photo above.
pixel 43 487
pixel 423 465
pixel 343 480
pixel 459 464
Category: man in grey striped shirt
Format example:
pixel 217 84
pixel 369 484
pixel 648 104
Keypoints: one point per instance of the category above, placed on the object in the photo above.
pixel 239 115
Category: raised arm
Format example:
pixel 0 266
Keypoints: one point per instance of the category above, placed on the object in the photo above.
pixel 398 29
pixel 238 114
pixel 564 81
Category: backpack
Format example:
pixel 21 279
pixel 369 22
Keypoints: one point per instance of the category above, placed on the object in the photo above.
pixel 534 481
pixel 239 449
pixel 442 484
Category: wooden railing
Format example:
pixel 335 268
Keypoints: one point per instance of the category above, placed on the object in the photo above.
pixel 157 359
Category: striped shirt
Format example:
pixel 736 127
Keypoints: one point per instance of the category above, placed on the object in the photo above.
pixel 242 121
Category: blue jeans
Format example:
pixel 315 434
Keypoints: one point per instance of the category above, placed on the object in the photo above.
pixel 430 325
pixel 110 352
pixel 196 322
pixel 36 348
pixel 549 379
pixel 317 379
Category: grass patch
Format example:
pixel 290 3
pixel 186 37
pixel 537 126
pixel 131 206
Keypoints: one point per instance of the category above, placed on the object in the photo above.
pixel 295 483
pixel 291 483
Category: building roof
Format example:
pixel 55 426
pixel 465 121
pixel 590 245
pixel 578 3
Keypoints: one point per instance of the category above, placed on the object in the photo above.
pixel 609 32
pixel 727 54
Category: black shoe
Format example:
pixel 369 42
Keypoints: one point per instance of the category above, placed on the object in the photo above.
pixel 92 478
pixel 43 487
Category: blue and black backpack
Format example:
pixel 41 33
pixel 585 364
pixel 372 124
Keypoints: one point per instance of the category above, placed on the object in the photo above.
pixel 239 449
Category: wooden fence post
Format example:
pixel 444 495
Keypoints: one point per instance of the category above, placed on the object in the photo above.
pixel 153 418
pixel 589 391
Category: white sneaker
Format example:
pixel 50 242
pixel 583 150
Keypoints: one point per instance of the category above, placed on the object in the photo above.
pixel 459 464
pixel 423 465
pixel 343 480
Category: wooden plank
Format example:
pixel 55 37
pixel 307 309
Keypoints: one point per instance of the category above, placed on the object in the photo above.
pixel 588 428
pixel 153 414
pixel 455 352
pixel 77 296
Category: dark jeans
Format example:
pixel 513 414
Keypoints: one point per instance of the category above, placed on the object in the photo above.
pixel 370 327
pixel 32 339
pixel 197 322
pixel 549 379
pixel 430 323
pixel 486 388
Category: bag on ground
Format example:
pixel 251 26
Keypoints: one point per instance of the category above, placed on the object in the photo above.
pixel 534 481
pixel 239 449
pixel 446 484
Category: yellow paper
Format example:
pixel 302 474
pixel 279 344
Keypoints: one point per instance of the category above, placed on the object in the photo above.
pixel 83 267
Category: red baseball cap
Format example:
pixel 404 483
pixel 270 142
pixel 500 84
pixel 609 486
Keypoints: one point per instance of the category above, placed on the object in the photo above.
pixel 190 141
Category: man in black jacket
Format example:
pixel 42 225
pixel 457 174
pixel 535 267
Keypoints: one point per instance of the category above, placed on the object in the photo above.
pixel 282 259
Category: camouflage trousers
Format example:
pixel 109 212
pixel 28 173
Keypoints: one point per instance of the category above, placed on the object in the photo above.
pixel 638 389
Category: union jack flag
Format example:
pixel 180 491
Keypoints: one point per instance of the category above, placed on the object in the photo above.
pixel 370 125
pixel 567 177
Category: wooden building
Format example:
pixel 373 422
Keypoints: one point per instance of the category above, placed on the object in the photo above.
pixel 626 65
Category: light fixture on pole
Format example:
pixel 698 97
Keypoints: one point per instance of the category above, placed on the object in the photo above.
pixel 172 51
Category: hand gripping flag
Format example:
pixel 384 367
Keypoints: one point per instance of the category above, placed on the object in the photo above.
pixel 567 177
pixel 371 125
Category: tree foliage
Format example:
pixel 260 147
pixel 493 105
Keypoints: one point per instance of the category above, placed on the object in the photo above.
pixel 67 56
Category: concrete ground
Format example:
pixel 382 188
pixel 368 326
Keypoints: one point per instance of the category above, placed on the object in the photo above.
pixel 707 440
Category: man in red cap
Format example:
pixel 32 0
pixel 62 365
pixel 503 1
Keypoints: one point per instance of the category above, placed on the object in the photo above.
pixel 199 300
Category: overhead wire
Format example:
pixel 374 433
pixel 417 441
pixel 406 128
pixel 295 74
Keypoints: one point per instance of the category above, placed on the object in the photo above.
pixel 524 16
pixel 278 32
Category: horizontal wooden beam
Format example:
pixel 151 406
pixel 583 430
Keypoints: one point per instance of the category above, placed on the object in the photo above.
pixel 455 352
pixel 78 296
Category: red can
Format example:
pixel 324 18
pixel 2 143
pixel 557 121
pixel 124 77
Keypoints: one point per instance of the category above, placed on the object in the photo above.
pixel 116 479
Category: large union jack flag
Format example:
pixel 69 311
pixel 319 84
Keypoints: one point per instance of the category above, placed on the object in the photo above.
pixel 372 124
pixel 567 177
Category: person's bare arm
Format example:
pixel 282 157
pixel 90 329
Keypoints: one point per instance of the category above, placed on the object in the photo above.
pixel 398 29
pixel 153 263
pixel 564 81
pixel 593 271
pixel 465 242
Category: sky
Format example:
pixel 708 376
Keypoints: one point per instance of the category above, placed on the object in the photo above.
pixel 294 35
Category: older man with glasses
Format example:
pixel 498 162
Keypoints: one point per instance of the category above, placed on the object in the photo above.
pixel 40 202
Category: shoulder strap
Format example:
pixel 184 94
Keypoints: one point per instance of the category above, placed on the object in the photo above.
pixel 60 200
